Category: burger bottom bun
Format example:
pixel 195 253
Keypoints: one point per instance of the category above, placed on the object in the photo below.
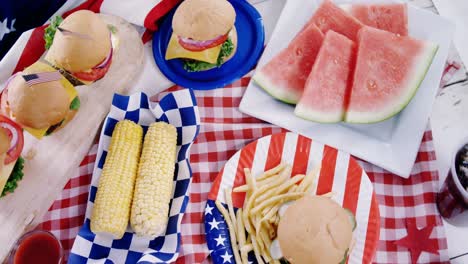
pixel 314 229
pixel 67 119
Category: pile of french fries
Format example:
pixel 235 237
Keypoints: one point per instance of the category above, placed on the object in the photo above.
pixel 253 227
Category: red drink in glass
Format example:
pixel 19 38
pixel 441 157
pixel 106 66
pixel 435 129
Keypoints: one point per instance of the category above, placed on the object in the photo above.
pixel 37 247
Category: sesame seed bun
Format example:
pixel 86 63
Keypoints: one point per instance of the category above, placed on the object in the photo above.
pixel 74 53
pixel 314 229
pixel 37 106
pixel 203 19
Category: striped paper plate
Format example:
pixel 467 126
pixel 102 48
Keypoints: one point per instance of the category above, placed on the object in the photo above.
pixel 340 174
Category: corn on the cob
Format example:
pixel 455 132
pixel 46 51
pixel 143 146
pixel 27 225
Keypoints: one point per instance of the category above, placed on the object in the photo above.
pixel 154 183
pixel 111 210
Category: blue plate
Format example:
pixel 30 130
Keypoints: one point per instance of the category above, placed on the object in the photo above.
pixel 251 37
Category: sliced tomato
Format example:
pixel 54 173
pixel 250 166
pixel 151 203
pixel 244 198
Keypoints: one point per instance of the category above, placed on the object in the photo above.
pixel 15 133
pixel 194 45
pixel 95 73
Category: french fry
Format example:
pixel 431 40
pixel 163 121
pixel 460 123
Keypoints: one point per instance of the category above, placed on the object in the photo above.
pixel 293 189
pixel 228 196
pixel 246 248
pixel 271 172
pixel 277 200
pixel 278 179
pixel 267 243
pixel 256 250
pixel 309 179
pixel 249 179
pixel 232 234
pixel 241 235
pixel 283 188
pixel 242 188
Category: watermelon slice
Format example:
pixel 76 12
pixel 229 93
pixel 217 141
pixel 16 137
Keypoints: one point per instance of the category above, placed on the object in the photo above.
pixel 328 84
pixel 285 75
pixel 331 17
pixel 390 17
pixel 389 70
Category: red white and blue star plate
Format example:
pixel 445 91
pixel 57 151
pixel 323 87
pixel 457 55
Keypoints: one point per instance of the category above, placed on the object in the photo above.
pixel 340 173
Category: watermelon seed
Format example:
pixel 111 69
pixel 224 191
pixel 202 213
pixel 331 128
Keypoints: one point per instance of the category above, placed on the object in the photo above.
pixel 371 85
pixel 322 21
pixel 299 52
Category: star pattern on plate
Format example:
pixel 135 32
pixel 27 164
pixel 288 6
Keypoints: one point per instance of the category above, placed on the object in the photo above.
pixel 417 240
pixel 214 224
pixel 226 257
pixel 220 240
pixel 208 210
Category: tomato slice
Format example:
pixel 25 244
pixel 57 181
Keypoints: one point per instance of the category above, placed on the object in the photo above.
pixel 194 45
pixel 15 133
pixel 95 73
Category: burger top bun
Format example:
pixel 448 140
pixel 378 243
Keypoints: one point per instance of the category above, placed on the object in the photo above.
pixel 76 53
pixel 38 106
pixel 4 143
pixel 203 19
pixel 314 229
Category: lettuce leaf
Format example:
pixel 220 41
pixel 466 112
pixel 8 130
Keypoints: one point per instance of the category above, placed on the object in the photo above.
pixel 195 66
pixel 75 104
pixel 16 176
pixel 49 32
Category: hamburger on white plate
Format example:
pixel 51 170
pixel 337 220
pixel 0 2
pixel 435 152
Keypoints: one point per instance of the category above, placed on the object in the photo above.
pixel 40 108
pixel 313 230
pixel 203 35
pixel 81 45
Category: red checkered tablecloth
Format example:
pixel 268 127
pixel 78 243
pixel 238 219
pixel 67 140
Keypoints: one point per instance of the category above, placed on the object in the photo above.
pixel 225 130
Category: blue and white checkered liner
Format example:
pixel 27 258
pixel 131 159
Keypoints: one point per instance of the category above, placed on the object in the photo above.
pixel 178 108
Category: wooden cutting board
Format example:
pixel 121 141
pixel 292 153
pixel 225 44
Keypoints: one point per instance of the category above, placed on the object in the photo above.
pixel 51 162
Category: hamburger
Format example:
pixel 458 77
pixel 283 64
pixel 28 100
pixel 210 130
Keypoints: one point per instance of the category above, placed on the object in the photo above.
pixel 11 162
pixel 40 108
pixel 81 46
pixel 203 35
pixel 314 229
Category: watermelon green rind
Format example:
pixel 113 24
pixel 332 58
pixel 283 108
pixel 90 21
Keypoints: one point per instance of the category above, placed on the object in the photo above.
pixel 283 94
pixel 306 113
pixel 425 63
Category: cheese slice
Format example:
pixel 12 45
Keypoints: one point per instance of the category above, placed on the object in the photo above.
pixel 175 50
pixel 69 88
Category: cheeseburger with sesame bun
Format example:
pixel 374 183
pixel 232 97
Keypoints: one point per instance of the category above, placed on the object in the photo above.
pixel 203 35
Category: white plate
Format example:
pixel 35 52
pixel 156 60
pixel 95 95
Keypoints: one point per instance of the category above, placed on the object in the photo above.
pixel 392 144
